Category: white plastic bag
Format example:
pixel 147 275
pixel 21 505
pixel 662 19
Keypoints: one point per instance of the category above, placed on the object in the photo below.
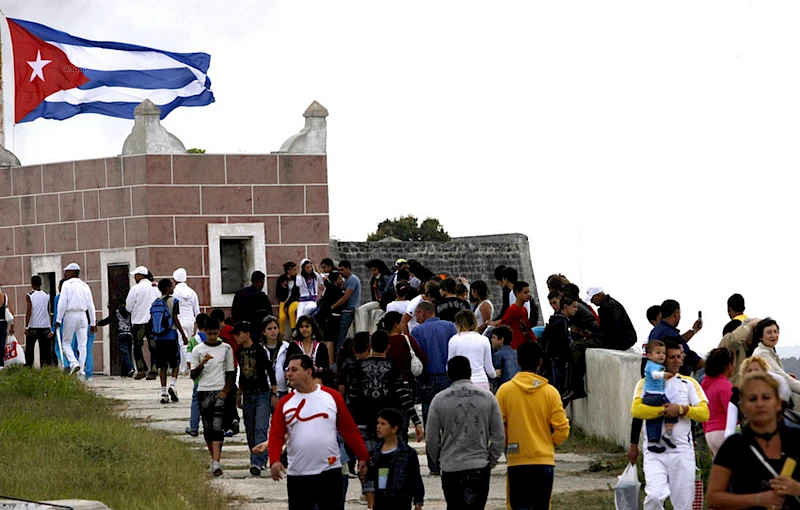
pixel 626 492
pixel 14 354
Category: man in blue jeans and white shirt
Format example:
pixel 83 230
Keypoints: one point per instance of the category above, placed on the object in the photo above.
pixel 432 335
pixel 347 304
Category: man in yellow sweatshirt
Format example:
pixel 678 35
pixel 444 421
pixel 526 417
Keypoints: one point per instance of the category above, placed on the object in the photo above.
pixel 535 423
pixel 671 474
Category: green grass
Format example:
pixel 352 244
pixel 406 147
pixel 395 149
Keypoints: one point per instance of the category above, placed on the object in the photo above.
pixel 61 441
pixel 580 442
pixel 585 500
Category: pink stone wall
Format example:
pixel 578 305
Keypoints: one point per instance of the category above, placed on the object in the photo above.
pixel 161 206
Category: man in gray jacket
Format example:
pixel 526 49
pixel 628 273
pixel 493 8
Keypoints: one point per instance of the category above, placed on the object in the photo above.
pixel 465 437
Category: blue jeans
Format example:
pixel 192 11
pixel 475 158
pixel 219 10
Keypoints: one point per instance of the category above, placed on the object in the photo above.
pixel 194 417
pixel 344 326
pixel 429 386
pixel 125 347
pixel 256 409
pixel 520 481
pixel 559 374
pixel 653 426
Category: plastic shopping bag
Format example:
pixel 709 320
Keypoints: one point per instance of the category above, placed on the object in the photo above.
pixel 626 492
pixel 14 354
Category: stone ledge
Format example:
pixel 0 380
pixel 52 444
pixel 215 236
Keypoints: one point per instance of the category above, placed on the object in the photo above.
pixel 75 504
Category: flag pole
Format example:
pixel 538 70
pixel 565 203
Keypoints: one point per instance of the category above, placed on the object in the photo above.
pixel 5 36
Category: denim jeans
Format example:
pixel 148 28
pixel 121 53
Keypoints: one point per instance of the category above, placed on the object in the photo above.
pixel 520 481
pixel 256 410
pixel 344 327
pixel 194 417
pixel 466 490
pixel 653 426
pixel 559 374
pixel 429 386
pixel 125 345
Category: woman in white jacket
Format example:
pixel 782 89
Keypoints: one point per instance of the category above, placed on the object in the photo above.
pixel 309 286
pixel 276 348
pixel 473 346
pixel 766 334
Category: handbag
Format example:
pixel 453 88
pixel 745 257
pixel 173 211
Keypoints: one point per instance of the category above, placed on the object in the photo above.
pixel 416 363
pixel 13 354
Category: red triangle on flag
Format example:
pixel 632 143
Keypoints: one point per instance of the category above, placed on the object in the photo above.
pixel 40 70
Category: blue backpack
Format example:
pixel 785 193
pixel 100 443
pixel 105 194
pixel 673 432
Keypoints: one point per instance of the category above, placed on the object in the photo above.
pixel 161 317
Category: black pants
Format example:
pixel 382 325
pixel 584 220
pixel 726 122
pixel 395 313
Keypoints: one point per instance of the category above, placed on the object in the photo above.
pixel 231 411
pixel 211 411
pixel 139 332
pixel 45 351
pixel 578 369
pixel 323 491
pixel 466 490
pixel 521 480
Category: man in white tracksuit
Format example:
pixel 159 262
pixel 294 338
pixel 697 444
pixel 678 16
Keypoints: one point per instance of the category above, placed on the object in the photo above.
pixel 76 312
pixel 671 474
pixel 190 309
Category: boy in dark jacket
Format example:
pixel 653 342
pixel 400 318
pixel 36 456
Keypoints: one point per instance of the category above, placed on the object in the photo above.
pixel 122 318
pixel 556 341
pixel 394 474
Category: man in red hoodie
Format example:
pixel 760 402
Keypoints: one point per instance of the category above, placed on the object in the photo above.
pixel 310 417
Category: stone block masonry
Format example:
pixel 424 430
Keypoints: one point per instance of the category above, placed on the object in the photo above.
pixel 156 209
pixel 473 257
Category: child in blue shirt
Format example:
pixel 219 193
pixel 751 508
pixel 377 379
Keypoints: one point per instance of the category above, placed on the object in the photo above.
pixel 504 358
pixel 655 377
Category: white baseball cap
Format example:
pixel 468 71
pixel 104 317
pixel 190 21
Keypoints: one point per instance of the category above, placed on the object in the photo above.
pixel 140 270
pixel 592 292
pixel 72 267
pixel 179 275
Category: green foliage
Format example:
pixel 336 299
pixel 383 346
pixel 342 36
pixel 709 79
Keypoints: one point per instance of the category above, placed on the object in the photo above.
pixel 74 445
pixel 408 228
pixel 580 442
pixel 196 151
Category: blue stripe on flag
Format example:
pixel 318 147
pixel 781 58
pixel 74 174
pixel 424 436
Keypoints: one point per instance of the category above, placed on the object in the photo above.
pixel 148 79
pixel 199 61
pixel 61 111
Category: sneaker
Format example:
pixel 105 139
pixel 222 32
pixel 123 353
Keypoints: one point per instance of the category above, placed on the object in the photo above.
pixel 152 376
pixel 656 449
pixel 73 369
pixel 173 394
pixel 228 433
pixel 235 427
pixel 139 376
pixel 193 433
pixel 164 399
pixel 131 373
pixel 216 468
pixel 667 439
pixel 255 470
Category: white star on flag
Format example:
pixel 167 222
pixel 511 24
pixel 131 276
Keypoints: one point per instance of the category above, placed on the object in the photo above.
pixel 38 66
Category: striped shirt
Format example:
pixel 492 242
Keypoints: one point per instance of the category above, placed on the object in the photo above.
pixel 40 314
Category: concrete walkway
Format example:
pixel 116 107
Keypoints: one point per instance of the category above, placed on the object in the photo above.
pixel 141 400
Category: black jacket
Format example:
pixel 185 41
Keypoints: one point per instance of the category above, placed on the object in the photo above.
pixel 405 481
pixel 556 339
pixel 246 302
pixel 616 328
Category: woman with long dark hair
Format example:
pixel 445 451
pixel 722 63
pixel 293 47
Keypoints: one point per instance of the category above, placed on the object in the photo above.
pixel 287 309
pixel 307 339
pixel 484 309
pixel 308 287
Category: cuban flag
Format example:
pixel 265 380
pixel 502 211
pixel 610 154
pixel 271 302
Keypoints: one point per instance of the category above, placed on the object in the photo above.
pixel 57 75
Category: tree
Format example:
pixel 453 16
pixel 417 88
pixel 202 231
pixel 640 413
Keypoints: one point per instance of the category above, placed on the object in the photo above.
pixel 408 229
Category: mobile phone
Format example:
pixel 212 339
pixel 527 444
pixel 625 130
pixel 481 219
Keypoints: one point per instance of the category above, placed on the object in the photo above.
pixel 700 316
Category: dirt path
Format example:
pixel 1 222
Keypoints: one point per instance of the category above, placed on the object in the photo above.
pixel 141 403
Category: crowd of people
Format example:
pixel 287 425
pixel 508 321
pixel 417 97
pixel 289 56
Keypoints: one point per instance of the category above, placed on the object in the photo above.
pixel 322 400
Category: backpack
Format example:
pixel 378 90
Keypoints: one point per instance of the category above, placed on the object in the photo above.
pixel 161 317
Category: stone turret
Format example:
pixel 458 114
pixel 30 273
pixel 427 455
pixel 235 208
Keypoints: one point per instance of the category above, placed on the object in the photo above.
pixel 312 138
pixel 148 135
pixel 7 158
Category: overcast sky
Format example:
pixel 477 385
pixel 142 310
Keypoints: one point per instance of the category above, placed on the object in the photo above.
pixel 650 148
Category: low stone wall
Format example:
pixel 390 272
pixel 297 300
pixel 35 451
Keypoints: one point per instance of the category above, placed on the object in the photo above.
pixel 611 377
pixel 75 504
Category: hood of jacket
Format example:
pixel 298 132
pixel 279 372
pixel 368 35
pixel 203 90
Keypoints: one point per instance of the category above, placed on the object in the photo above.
pixel 529 382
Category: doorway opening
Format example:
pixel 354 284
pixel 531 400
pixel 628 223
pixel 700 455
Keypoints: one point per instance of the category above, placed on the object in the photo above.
pixel 118 287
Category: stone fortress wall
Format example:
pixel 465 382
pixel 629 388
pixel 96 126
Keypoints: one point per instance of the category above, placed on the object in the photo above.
pixel 473 257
